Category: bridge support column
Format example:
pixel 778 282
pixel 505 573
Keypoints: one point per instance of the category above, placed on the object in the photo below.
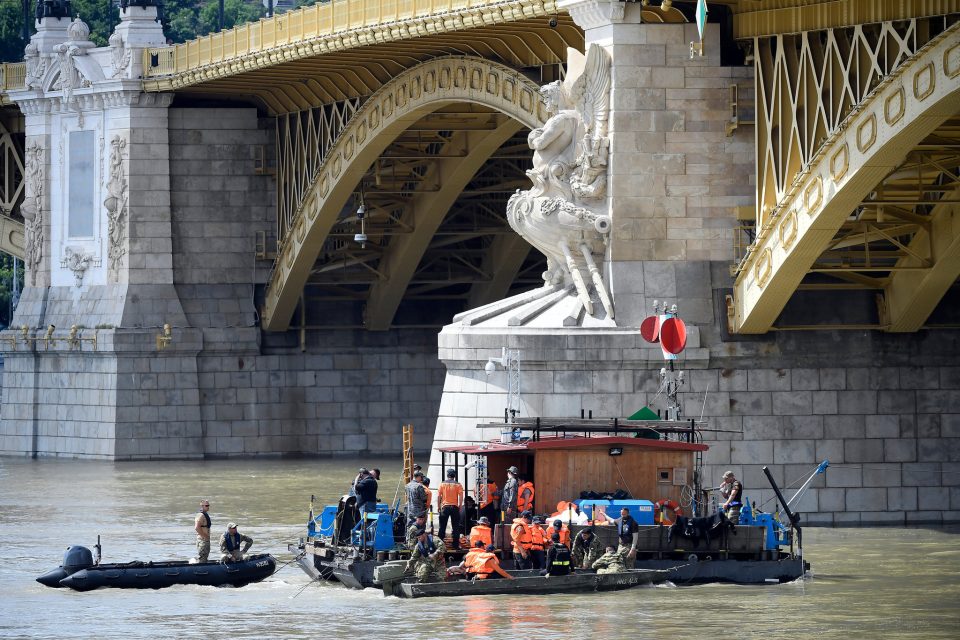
pixel 673 179
pixel 85 372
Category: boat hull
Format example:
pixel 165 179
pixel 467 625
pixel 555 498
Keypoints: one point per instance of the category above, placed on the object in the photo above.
pixel 159 575
pixel 532 583
pixel 733 571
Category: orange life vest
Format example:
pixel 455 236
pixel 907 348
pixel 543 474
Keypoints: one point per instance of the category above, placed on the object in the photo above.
pixel 484 564
pixel 524 504
pixel 520 534
pixel 564 535
pixel 451 494
pixel 488 494
pixel 470 560
pixel 538 537
pixel 481 532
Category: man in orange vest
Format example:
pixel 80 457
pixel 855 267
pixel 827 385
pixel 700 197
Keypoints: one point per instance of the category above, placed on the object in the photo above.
pixel 467 566
pixel 489 500
pixel 525 496
pixel 558 528
pixel 481 533
pixel 522 541
pixel 487 565
pixel 450 499
pixel 538 544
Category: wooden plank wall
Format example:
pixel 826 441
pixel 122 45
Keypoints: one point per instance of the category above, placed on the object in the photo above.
pixel 563 474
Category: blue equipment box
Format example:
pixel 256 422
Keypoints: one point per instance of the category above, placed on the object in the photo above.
pixel 641 510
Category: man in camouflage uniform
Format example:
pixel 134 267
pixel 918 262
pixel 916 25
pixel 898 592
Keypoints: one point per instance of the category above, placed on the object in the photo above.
pixel 416 496
pixel 426 561
pixel 610 562
pixel 233 544
pixel 414 530
pixel 586 549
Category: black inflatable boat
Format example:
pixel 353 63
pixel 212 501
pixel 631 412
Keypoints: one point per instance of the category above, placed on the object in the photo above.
pixel 79 572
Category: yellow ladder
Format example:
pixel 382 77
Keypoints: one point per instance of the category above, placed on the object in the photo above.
pixel 407 452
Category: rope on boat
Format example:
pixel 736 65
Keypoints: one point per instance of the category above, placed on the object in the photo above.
pixel 287 564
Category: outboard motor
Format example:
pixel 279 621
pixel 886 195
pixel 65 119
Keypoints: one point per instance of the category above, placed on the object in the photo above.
pixel 76 558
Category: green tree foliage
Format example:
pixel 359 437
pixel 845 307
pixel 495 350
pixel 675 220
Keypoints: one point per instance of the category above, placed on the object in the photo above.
pixel 100 15
pixel 235 12
pixel 11 22
pixel 6 286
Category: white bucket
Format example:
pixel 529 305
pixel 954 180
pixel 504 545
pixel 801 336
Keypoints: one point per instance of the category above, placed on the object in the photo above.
pixel 506 435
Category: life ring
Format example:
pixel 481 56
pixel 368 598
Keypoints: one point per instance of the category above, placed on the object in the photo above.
pixel 665 503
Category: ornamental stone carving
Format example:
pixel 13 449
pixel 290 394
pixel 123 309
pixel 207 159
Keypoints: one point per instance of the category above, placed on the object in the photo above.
pixel 35 67
pixel 119 56
pixel 32 207
pixel 116 204
pixel 565 215
pixel 77 261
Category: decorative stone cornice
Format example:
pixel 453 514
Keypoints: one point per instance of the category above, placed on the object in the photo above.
pixel 450 21
pixel 126 94
pixel 590 14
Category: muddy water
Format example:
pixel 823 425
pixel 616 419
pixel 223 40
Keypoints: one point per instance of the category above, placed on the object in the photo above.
pixel 866 583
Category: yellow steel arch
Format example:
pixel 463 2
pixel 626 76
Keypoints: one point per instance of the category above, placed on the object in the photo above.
pixel 387 113
pixel 907 106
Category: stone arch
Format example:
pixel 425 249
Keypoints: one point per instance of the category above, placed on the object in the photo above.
pixel 387 113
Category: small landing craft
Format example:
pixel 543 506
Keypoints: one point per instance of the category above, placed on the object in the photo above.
pixel 81 572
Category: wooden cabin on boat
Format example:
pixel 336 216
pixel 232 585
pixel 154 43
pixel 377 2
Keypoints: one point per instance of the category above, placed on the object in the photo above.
pixel 597 457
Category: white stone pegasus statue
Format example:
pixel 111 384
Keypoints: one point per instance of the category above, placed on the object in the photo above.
pixel 565 214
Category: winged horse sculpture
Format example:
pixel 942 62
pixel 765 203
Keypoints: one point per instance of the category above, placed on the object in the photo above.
pixel 565 215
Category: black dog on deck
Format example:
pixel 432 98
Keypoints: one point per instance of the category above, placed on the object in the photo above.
pixel 698 529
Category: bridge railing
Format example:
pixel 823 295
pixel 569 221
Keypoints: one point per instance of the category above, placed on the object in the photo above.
pixel 305 23
pixel 12 75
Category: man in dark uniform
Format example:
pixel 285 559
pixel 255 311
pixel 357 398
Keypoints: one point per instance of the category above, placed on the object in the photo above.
pixel 629 533
pixel 558 558
pixel 732 491
pixel 366 490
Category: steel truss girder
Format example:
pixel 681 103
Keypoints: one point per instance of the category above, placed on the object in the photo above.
pixel 870 126
pixel 372 130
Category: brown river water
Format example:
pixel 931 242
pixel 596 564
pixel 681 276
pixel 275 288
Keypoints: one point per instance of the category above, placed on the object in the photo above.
pixel 865 583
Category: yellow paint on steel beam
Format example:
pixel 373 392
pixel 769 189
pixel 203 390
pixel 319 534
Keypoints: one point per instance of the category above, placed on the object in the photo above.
pixel 912 295
pixel 850 164
pixel 321 29
pixel 422 90
pixel 405 252
pixel 766 18
pixel 11 237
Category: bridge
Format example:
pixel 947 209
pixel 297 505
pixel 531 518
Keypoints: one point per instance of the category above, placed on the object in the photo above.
pixel 340 174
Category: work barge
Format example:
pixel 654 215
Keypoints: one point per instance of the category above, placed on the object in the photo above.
pixel 651 467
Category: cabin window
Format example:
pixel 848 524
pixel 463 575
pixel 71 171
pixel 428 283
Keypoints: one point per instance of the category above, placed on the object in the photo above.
pixel 664 476
pixel 679 476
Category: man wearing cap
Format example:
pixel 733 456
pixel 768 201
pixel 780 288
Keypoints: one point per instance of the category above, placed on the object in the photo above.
pixel 481 532
pixel 201 525
pixel 508 498
pixel 628 531
pixel 558 528
pixel 416 496
pixel 426 561
pixel 732 491
pixel 230 543
pixel 520 534
pixel 466 567
pixel 414 529
pixel 558 558
pixel 366 490
pixel 450 499
pixel 487 565
pixel 609 562
pixel 586 548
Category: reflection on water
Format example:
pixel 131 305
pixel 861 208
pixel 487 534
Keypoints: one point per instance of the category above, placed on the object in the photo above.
pixel 867 583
